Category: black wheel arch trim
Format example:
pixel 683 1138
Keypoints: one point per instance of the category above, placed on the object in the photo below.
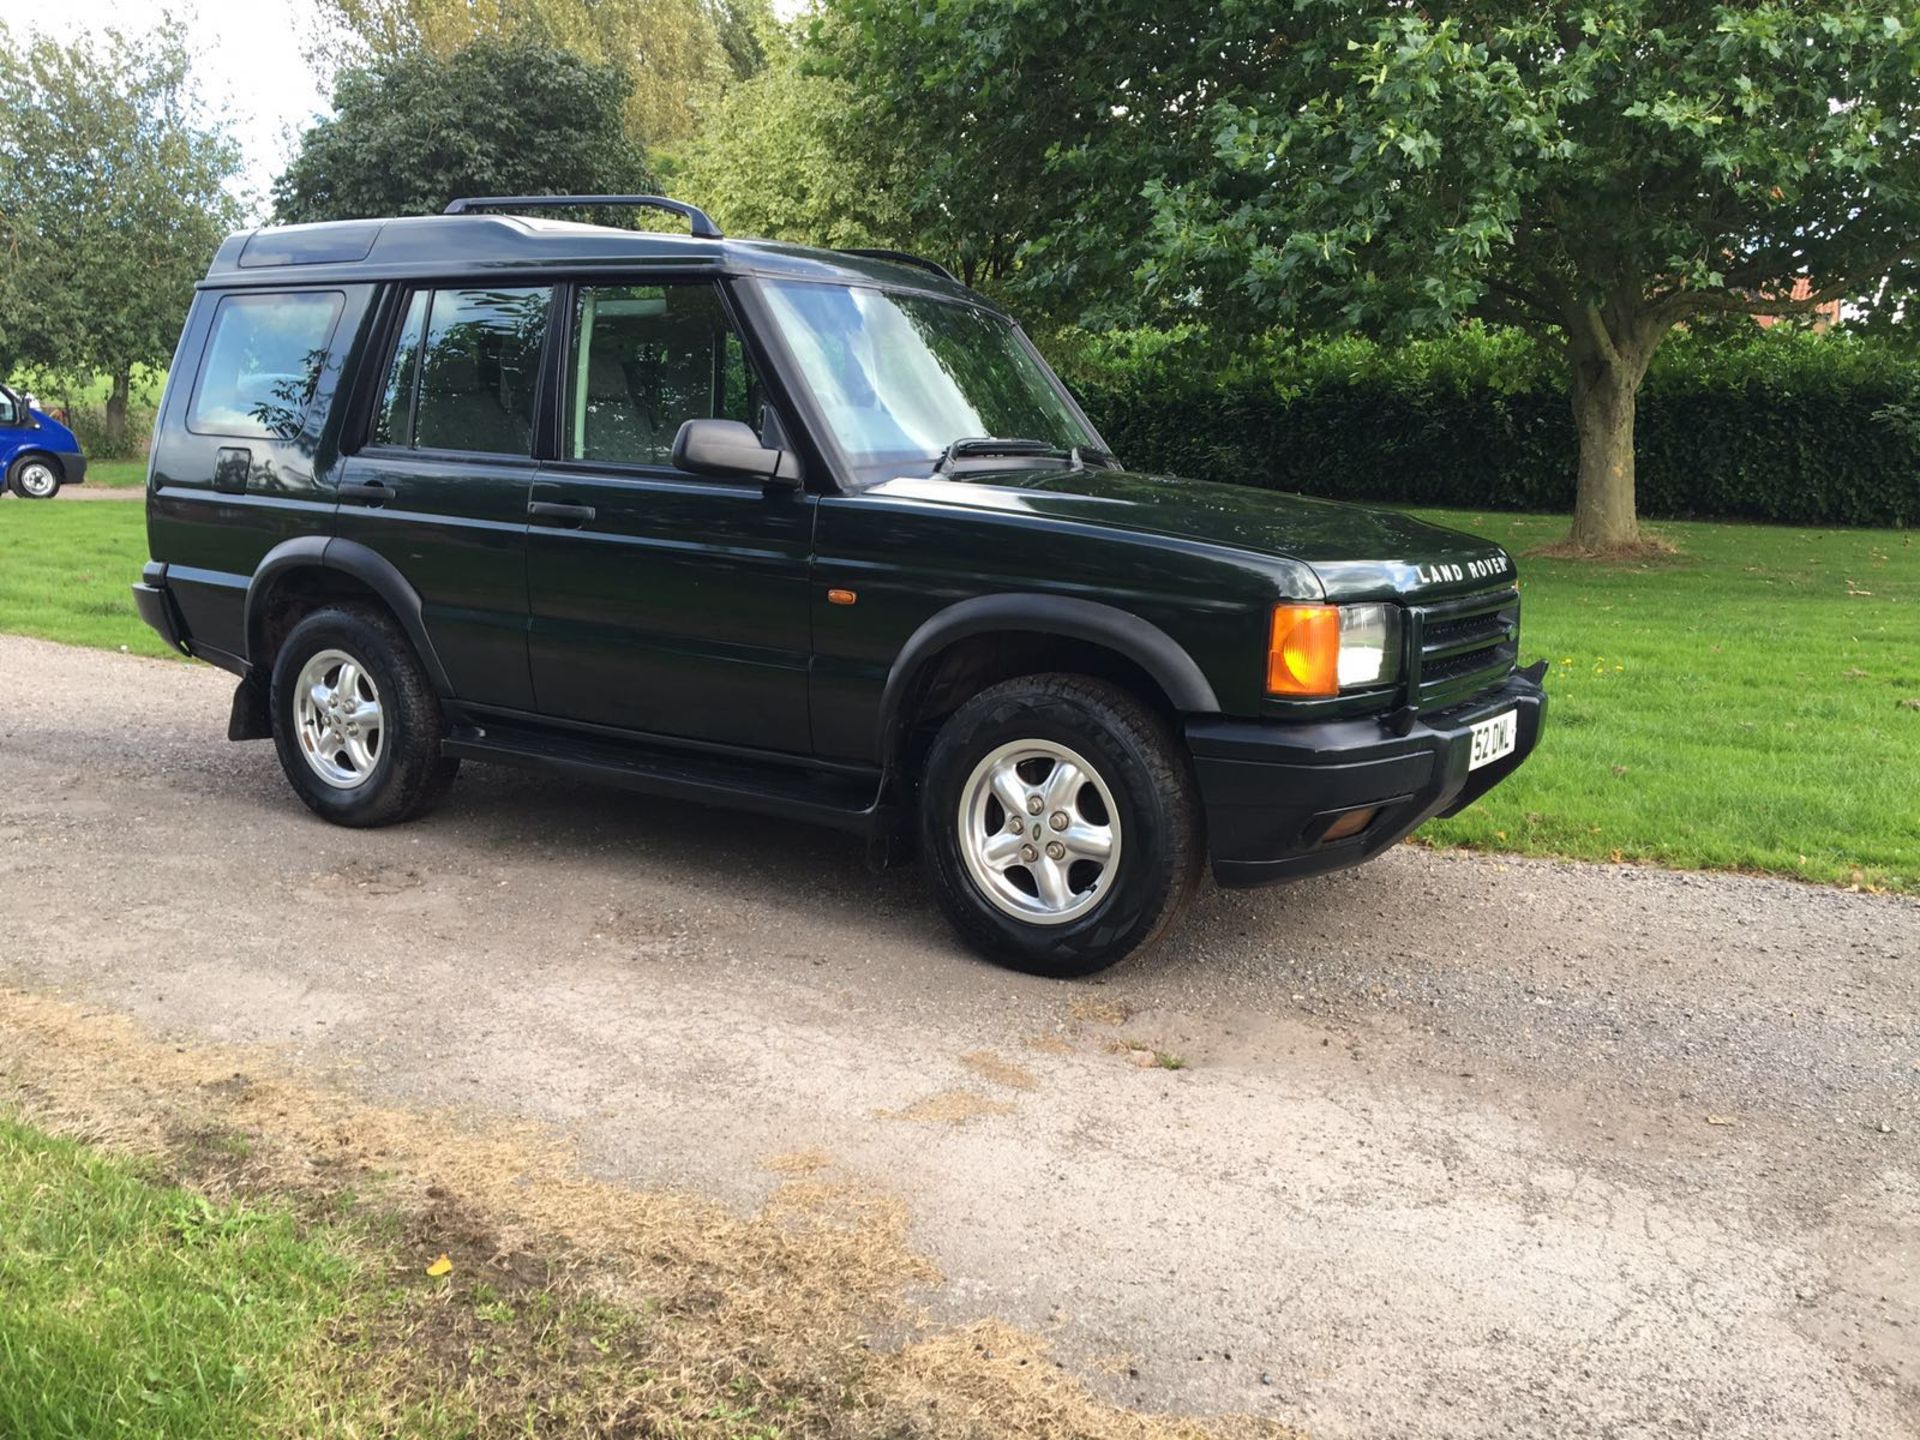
pixel 346 557
pixel 1146 644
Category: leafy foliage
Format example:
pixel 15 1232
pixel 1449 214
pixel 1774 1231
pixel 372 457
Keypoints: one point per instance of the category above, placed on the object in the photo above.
pixel 1782 426
pixel 1647 159
pixel 781 155
pixel 1595 171
pixel 498 117
pixel 675 51
pixel 1026 173
pixel 112 200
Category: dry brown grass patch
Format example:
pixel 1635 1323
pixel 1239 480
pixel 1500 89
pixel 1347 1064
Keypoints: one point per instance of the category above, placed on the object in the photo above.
pixel 1102 1012
pixel 1001 1071
pixel 948 1107
pixel 1051 1044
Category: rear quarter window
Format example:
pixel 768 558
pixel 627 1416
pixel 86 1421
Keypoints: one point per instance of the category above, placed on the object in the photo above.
pixel 262 363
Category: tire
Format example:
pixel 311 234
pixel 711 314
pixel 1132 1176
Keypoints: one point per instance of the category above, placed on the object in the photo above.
pixel 34 477
pixel 355 774
pixel 1135 793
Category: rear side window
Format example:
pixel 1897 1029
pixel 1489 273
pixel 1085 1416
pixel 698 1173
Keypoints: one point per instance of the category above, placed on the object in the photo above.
pixel 646 359
pixel 392 426
pixel 263 361
pixel 465 372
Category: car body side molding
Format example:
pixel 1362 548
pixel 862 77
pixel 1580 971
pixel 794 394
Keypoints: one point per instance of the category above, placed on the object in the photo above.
pixel 1140 641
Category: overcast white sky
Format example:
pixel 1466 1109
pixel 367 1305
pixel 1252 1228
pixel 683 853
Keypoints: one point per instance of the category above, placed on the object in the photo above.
pixel 248 62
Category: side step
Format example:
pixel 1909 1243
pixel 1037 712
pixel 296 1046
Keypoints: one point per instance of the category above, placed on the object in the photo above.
pixel 845 802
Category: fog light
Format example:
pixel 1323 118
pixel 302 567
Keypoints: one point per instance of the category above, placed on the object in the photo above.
pixel 1350 824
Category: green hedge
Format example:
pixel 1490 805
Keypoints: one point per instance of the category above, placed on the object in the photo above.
pixel 1787 427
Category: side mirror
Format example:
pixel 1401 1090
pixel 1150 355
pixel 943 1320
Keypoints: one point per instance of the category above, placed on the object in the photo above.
pixel 729 447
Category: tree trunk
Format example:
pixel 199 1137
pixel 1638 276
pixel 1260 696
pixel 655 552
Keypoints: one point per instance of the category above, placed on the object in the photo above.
pixel 117 412
pixel 1604 395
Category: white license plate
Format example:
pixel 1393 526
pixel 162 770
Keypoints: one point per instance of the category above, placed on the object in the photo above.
pixel 1494 738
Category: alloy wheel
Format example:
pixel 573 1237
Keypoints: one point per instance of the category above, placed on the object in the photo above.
pixel 1039 832
pixel 340 726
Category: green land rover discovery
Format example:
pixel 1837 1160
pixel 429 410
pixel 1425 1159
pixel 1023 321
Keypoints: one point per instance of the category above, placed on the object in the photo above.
pixel 812 533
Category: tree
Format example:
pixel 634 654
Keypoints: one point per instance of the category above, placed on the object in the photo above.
pixel 1596 173
pixel 498 117
pixel 674 51
pixel 1031 131
pixel 782 155
pixel 112 202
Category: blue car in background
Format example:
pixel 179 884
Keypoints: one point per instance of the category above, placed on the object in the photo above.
pixel 37 453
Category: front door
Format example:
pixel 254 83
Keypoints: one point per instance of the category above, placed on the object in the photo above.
pixel 664 602
pixel 440 490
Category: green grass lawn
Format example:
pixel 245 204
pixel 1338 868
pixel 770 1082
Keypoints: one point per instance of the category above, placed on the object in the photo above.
pixel 131 1307
pixel 65 569
pixel 117 474
pixel 148 383
pixel 1739 706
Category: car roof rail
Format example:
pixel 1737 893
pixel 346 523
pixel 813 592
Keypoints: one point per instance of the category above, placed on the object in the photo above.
pixel 904 258
pixel 697 219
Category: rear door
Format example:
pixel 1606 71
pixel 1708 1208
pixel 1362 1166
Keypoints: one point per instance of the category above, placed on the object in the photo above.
pixel 245 451
pixel 440 488
pixel 663 601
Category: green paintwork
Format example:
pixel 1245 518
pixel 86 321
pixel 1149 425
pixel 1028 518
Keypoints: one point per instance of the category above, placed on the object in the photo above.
pixel 1205 563
pixel 1356 552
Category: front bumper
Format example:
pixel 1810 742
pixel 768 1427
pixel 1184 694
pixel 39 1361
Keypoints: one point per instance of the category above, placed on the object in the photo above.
pixel 73 466
pixel 1272 791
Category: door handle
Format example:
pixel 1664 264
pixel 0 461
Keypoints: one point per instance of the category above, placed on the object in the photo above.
pixel 553 510
pixel 373 492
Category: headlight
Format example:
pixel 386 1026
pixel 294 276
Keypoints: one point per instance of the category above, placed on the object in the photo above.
pixel 1369 645
pixel 1324 649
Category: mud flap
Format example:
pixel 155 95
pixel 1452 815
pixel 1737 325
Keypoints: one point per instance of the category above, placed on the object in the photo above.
pixel 251 719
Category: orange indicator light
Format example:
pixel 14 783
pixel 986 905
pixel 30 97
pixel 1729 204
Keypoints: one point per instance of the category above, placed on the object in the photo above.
pixel 1303 652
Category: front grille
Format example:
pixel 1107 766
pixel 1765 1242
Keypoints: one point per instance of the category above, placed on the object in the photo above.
pixel 1459 647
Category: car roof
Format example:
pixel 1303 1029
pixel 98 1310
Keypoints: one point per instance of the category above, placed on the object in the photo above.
pixel 442 247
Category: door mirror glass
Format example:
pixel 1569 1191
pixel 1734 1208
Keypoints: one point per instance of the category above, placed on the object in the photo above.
pixel 730 448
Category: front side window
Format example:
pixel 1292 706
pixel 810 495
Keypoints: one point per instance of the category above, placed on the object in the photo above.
pixel 901 377
pixel 465 371
pixel 11 411
pixel 646 359
pixel 263 363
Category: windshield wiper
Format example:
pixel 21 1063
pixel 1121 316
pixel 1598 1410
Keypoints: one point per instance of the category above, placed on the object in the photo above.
pixel 987 447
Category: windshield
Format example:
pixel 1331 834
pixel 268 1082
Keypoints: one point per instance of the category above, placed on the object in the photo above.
pixel 901 377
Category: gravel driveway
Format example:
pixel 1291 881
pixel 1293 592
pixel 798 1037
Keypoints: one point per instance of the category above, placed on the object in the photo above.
pixel 1460 1146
